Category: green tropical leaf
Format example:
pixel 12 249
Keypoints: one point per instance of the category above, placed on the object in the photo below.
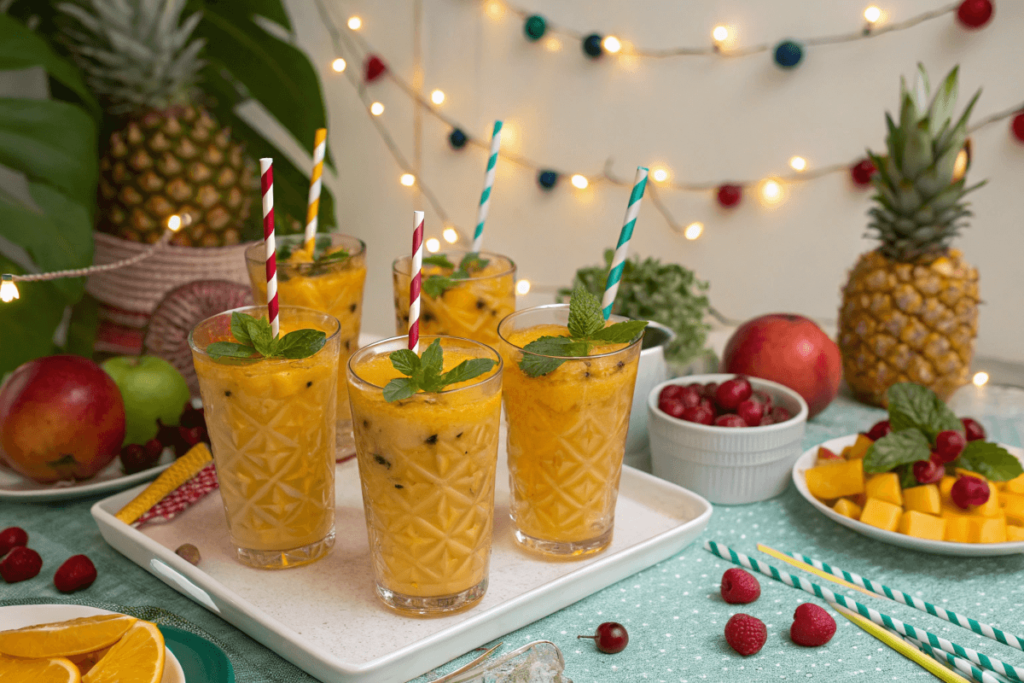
pixel 82 327
pixel 28 323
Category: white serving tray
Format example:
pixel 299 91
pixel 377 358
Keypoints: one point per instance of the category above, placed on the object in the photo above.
pixel 326 619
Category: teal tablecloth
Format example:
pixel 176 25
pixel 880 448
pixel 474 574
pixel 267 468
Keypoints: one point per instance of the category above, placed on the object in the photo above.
pixel 672 610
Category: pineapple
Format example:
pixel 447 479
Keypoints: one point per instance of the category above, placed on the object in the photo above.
pixel 168 155
pixel 910 307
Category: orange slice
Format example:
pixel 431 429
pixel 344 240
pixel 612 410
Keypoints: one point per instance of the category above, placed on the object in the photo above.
pixel 58 670
pixel 65 638
pixel 137 658
pixel 183 469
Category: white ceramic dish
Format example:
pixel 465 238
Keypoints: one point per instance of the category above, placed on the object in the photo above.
pixel 728 466
pixel 111 478
pixel 19 616
pixel 806 461
pixel 325 617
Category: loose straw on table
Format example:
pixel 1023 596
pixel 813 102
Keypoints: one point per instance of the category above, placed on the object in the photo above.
pixel 779 555
pixel 611 287
pixel 959 663
pixel 313 204
pixel 909 600
pixel 485 196
pixel 885 620
pixel 415 280
pixel 267 183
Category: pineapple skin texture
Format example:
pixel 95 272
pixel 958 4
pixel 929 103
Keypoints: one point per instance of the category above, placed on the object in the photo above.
pixel 175 161
pixel 908 322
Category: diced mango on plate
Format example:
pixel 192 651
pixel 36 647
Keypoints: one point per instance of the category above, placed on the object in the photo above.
pixel 847 508
pixel 836 480
pixel 885 487
pixel 1014 533
pixel 922 525
pixel 1015 485
pixel 881 514
pixel 860 448
pixel 924 499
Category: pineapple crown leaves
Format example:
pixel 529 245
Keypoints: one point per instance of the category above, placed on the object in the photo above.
pixel 136 54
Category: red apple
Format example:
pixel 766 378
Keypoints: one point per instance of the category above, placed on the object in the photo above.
pixel 61 418
pixel 788 349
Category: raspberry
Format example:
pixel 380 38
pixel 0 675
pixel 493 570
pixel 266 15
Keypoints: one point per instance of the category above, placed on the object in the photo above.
pixel 968 491
pixel 12 537
pixel 812 626
pixel 739 587
pixel 20 564
pixel 76 573
pixel 745 634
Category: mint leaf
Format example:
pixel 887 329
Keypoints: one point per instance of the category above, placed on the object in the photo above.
pixel 895 449
pixel 537 366
pixel 259 333
pixel 332 257
pixel 405 361
pixel 472 262
pixel 284 252
pixel 620 333
pixel 300 344
pixel 585 316
pixel 467 370
pixel 436 285
pixel 240 329
pixel 912 406
pixel 534 365
pixel 229 350
pixel 398 389
pixel 432 360
pixel 990 460
pixel 439 260
pixel 907 478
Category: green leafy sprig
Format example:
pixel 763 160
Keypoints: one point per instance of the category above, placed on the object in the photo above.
pixel 253 338
pixel 321 253
pixel 423 373
pixel 586 330
pixel 436 285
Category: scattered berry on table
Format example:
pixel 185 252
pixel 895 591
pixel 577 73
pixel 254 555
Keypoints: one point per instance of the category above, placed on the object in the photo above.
pixel 929 471
pixel 12 537
pixel 969 491
pixel 972 429
pixel 189 553
pixel 745 634
pixel 949 445
pixel 879 429
pixel 739 587
pixel 76 573
pixel 20 564
pixel 812 626
pixel 610 637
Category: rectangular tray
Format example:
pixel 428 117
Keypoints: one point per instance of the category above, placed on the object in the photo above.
pixel 325 617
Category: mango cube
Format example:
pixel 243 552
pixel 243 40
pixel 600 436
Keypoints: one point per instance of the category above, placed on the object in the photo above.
pixel 990 508
pixel 885 487
pixel 1015 485
pixel 921 525
pixel 1007 498
pixel 945 486
pixel 860 447
pixel 881 514
pixel 924 499
pixel 1014 510
pixel 846 452
pixel 836 480
pixel 988 530
pixel 847 508
pixel 1014 533
pixel 958 529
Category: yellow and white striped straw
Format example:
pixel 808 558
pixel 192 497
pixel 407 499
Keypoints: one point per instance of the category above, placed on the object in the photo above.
pixel 313 204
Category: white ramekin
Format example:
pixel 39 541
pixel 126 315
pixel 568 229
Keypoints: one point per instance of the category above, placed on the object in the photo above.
pixel 727 465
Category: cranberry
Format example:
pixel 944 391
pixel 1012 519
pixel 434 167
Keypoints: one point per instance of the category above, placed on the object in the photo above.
pixel 12 537
pixel 672 406
pixel 730 420
pixel 751 411
pixel 709 390
pixel 153 449
pixel 699 414
pixel 671 391
pixel 611 638
pixel 134 458
pixel 192 417
pixel 709 405
pixel 733 392
pixel 973 429
pixel 766 420
pixel 948 446
pixel 696 385
pixel 879 429
pixel 192 435
pixel 764 398
pixel 690 397
pixel 928 471
pixel 780 414
pixel 968 491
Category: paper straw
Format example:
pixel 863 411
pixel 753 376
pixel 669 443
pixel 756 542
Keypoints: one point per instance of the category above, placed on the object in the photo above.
pixel 885 620
pixel 959 663
pixel 782 557
pixel 485 196
pixel 917 603
pixel 313 204
pixel 267 183
pixel 611 287
pixel 415 280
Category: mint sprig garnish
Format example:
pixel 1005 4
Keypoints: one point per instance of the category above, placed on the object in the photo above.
pixel 586 330
pixel 895 449
pixel 423 373
pixel 912 406
pixel 436 285
pixel 253 338
pixel 990 460
pixel 321 253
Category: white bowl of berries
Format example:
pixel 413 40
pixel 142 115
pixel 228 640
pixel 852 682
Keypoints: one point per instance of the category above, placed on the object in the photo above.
pixel 729 438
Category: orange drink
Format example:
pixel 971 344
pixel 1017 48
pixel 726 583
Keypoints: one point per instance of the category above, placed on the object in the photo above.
pixel 332 284
pixel 566 436
pixel 272 424
pixel 471 307
pixel 427 467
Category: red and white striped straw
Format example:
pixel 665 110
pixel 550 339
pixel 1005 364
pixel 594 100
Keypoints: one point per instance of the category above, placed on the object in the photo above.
pixel 267 183
pixel 415 281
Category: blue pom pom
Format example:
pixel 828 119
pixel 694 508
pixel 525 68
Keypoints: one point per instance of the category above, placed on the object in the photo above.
pixel 535 27
pixel 788 54
pixel 457 138
pixel 547 179
pixel 592 45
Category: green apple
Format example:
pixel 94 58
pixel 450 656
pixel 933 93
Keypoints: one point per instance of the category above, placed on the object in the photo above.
pixel 152 389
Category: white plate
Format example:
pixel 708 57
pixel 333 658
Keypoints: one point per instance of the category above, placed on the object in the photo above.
pixel 111 478
pixel 806 462
pixel 19 616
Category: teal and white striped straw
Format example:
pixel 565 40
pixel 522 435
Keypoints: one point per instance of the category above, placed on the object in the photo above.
pixel 485 196
pixel 917 603
pixel 611 287
pixel 885 620
pixel 958 663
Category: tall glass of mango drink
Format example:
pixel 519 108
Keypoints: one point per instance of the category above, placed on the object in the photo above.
pixel 330 280
pixel 464 294
pixel 567 414
pixel 427 461
pixel 271 420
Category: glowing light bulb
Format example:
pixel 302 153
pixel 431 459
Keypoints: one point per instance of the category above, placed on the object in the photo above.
pixel 980 378
pixel 611 44
pixel 872 14
pixel 174 223
pixel 376 108
pixel 798 163
pixel 552 44
pixel 579 182
pixel 660 175
pixel 437 97
pixel 433 245
pixel 338 65
pixel 407 179
pixel 771 191
pixel 962 161
pixel 523 287
pixel 355 23
pixel 450 235
pixel 693 230
pixel 495 10
pixel 8 290
pixel 720 34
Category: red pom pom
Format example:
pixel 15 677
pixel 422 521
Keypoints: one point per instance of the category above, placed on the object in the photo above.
pixel 1018 126
pixel 730 195
pixel 974 13
pixel 862 171
pixel 375 68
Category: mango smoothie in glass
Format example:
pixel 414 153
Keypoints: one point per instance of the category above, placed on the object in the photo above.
pixel 272 429
pixel 461 297
pixel 330 280
pixel 427 464
pixel 566 435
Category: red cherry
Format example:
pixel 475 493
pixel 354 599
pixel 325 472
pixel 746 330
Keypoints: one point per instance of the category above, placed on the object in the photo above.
pixel 879 429
pixel 733 392
pixel 974 13
pixel 948 446
pixel 972 429
pixel 968 491
pixel 730 195
pixel 671 391
pixel 709 389
pixel 751 411
pixel 928 471
pixel 1017 126
pixel 611 638
pixel 374 68
pixel 780 414
pixel 862 171
pixel 730 420
pixel 699 414
pixel 672 406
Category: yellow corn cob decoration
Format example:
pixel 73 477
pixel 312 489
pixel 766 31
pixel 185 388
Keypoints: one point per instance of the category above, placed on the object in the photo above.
pixel 174 476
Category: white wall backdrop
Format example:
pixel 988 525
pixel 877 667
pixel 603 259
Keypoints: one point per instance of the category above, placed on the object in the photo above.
pixel 703 118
